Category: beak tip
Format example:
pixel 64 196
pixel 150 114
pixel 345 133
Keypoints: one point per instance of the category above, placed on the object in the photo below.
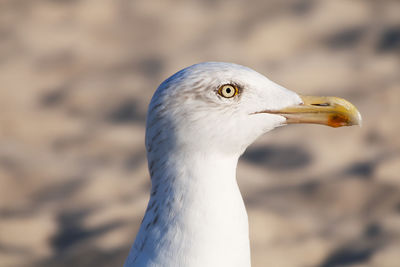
pixel 356 118
pixel 347 109
pixel 359 119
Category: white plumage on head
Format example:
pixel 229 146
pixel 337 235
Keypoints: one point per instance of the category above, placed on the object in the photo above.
pixel 188 106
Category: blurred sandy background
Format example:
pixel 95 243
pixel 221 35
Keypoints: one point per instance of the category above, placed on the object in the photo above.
pixel 76 77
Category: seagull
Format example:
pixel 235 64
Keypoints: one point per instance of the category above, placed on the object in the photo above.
pixel 199 122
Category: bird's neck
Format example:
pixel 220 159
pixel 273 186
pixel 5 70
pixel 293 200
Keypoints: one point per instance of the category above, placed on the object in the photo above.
pixel 196 215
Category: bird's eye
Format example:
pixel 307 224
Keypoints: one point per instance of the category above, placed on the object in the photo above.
pixel 228 91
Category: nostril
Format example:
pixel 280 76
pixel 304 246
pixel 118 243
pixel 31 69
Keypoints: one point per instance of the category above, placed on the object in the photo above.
pixel 321 105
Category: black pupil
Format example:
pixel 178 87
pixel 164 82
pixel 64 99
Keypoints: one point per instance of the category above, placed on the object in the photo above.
pixel 228 90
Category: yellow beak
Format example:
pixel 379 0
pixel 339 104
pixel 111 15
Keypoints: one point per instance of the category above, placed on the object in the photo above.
pixel 331 111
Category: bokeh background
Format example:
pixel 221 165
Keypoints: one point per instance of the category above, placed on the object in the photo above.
pixel 76 77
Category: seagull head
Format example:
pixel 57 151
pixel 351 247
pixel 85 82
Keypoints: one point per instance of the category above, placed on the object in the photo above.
pixel 224 107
